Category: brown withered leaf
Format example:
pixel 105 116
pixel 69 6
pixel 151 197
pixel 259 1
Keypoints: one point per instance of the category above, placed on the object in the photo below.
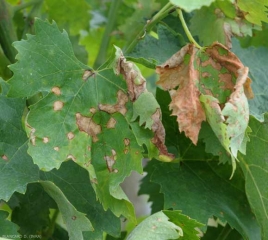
pixel 190 73
pixel 179 72
pixel 136 85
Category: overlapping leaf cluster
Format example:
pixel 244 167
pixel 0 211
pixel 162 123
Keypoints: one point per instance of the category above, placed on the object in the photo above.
pixel 70 134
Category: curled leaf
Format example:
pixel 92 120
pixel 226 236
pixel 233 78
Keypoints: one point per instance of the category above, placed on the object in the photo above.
pixel 145 105
pixel 209 84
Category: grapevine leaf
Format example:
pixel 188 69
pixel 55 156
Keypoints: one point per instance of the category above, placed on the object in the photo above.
pixel 187 224
pixel 254 59
pixel 254 165
pixel 76 222
pixel 191 5
pixel 16 166
pixel 80 117
pixel 218 27
pixel 59 10
pixel 185 104
pixel 207 192
pixel 7 227
pixel 73 181
pixel 31 210
pixel 151 51
pixel 212 74
pixel 152 189
pixel 143 10
pixel 158 227
pixel 138 93
pixel 255 12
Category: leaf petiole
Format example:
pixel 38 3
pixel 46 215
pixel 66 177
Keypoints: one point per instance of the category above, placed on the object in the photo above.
pixel 186 29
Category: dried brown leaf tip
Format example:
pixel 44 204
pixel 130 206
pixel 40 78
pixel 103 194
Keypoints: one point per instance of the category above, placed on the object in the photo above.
pixel 191 72
pixel 136 85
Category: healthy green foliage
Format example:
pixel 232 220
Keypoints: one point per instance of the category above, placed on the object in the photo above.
pixel 77 117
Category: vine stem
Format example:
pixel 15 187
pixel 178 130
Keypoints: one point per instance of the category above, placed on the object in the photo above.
pixel 150 24
pixel 25 5
pixel 106 36
pixel 186 29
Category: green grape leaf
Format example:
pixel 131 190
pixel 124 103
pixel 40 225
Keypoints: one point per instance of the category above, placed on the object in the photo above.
pixel 219 27
pixel 84 115
pixel 31 210
pixel 191 5
pixel 74 14
pixel 255 12
pixel 151 51
pixel 76 222
pixel 74 184
pixel 16 166
pixel 158 227
pixel 254 165
pixel 189 226
pixel 152 189
pixel 207 192
pixel 143 10
pixel 254 59
pixel 220 78
pixel 7 227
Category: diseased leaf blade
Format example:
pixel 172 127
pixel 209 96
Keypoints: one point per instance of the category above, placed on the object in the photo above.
pixel 255 58
pixel 254 166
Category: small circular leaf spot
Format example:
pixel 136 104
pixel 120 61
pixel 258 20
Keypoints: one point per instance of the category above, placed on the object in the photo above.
pixel 115 170
pixel 70 135
pixel 56 91
pixel 4 157
pixel 70 156
pixel 58 105
pixel 45 140
pixel 74 217
pixel 56 149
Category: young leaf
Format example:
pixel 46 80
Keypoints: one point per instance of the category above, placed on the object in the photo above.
pixel 254 165
pixel 157 227
pixel 191 5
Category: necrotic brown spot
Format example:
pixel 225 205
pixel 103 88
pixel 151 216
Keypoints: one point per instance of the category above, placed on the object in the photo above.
pixel 58 105
pixel 70 135
pixel 87 74
pixel 4 157
pixel 70 156
pixel 45 140
pixel 56 91
pixel 111 123
pixel 126 141
pixel 73 217
pixel 56 149
pixel 87 125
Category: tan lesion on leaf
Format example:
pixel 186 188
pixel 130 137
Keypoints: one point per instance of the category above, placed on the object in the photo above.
pixel 110 161
pixel 87 125
pixel 70 135
pixel 4 157
pixel 111 123
pixel 70 156
pixel 56 149
pixel 45 140
pixel 87 74
pixel 56 90
pixel 120 107
pixel 58 105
